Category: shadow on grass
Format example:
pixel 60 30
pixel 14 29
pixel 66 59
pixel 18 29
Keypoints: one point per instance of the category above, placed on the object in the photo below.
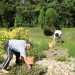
pixel 61 42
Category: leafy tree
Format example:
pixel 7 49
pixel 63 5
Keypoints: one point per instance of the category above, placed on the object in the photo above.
pixel 65 17
pixel 41 18
pixel 2 6
pixel 57 13
pixel 9 12
pixel 51 17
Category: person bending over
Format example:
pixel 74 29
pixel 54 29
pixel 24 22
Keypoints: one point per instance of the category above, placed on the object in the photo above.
pixel 18 47
pixel 58 36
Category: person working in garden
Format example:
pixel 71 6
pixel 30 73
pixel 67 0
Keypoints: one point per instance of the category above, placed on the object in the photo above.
pixel 58 36
pixel 18 47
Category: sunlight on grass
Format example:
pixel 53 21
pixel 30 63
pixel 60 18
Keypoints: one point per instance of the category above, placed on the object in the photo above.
pixel 40 41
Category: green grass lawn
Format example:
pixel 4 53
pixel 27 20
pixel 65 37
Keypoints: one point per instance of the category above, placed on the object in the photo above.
pixel 40 41
pixel 69 40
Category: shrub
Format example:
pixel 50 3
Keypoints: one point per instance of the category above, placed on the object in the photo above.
pixel 17 33
pixel 51 17
pixel 48 31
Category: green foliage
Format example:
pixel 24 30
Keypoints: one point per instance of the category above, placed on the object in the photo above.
pixel 1 8
pixel 61 58
pixel 65 18
pixel 41 18
pixel 71 50
pixel 40 41
pixel 51 17
pixel 59 13
pixel 16 33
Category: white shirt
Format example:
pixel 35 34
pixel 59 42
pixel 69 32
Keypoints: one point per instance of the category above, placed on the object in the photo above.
pixel 59 32
pixel 18 46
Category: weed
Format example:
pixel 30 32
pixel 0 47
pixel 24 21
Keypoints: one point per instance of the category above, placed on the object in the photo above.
pixel 61 58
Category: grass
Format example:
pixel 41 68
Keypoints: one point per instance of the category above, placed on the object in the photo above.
pixel 69 40
pixel 40 41
pixel 61 58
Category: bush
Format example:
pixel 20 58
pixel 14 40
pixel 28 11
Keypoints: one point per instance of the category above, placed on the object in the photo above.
pixel 17 33
pixel 51 17
pixel 48 31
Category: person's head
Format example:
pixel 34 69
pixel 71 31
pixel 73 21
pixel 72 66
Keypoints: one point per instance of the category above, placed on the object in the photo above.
pixel 28 46
pixel 57 35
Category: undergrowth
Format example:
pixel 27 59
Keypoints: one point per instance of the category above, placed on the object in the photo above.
pixel 22 70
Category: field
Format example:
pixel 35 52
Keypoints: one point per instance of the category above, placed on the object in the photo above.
pixel 40 44
pixel 41 41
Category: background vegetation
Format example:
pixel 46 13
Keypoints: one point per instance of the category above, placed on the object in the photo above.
pixel 36 20
pixel 30 13
pixel 39 40
pixel 43 16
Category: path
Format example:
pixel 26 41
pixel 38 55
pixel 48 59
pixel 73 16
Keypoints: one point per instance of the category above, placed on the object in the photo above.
pixel 57 67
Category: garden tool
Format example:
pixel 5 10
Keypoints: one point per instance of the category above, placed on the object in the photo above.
pixel 50 45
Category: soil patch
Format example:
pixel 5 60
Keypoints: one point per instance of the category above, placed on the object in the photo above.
pixel 57 67
pixel 53 54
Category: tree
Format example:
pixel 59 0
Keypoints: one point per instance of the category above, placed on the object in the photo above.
pixel 41 18
pixel 51 17
pixel 65 16
pixel 2 6
pixel 9 12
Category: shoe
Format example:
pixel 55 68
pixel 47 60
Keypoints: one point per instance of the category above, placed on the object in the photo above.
pixel 4 71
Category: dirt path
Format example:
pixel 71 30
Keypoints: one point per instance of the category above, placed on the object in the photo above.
pixel 57 67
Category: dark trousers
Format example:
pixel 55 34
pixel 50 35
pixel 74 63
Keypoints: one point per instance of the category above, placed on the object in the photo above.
pixel 9 56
